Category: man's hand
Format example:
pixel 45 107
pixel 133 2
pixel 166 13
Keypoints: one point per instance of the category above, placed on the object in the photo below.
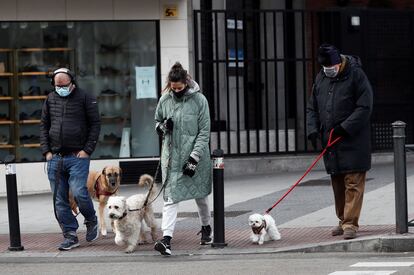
pixel 339 131
pixel 314 140
pixel 82 154
pixel 49 156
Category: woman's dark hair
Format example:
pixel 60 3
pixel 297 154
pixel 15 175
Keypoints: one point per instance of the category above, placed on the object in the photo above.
pixel 177 74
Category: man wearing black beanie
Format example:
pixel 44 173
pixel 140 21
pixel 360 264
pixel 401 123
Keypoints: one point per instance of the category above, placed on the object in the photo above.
pixel 341 103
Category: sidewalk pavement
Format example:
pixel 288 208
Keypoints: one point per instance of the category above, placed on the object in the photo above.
pixel 305 218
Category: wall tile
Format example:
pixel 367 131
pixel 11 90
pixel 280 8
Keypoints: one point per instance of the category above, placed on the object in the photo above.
pixel 132 9
pixel 89 10
pixel 8 10
pixel 170 55
pixel 174 33
pixel 41 10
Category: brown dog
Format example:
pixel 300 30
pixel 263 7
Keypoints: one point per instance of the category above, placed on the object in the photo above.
pixel 101 185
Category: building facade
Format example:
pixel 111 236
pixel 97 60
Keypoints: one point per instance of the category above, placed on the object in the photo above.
pixel 254 60
pixel 120 50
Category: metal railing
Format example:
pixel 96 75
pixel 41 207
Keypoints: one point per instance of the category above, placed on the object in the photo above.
pixel 256 68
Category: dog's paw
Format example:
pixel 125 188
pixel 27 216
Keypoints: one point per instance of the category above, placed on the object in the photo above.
pixel 119 241
pixel 254 238
pixel 104 232
pixel 260 242
pixel 154 236
pixel 130 249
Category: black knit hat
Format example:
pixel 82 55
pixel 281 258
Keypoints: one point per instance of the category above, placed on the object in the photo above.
pixel 328 55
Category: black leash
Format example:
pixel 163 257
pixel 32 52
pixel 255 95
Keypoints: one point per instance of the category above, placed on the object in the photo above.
pixel 57 179
pixel 146 203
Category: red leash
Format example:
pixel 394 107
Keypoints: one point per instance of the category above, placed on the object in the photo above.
pixel 330 143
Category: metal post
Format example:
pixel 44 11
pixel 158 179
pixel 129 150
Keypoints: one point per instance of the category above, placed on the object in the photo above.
pixel 12 204
pixel 400 175
pixel 218 192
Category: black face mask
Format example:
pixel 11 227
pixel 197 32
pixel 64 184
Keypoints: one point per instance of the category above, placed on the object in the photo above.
pixel 180 93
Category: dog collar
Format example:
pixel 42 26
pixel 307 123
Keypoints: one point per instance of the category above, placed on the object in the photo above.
pixel 123 216
pixel 257 230
pixel 99 192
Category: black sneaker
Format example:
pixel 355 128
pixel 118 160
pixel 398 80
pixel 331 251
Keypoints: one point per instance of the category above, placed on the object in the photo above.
pixel 205 235
pixel 70 241
pixel 92 232
pixel 163 246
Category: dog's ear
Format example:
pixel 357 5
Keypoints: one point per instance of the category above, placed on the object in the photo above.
pixel 120 172
pixel 104 171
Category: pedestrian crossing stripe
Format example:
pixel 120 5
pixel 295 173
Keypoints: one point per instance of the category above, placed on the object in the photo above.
pixel 365 272
pixel 382 264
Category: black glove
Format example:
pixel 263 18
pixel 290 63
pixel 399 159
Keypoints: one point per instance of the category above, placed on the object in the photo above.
pixel 314 139
pixel 339 131
pixel 189 167
pixel 169 124
pixel 164 127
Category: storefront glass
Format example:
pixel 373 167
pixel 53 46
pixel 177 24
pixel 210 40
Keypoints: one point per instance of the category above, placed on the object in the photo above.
pixel 116 61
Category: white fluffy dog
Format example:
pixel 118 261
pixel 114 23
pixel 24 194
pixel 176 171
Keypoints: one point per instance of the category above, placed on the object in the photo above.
pixel 263 228
pixel 128 213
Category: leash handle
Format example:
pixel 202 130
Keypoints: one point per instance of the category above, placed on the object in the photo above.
pixel 330 144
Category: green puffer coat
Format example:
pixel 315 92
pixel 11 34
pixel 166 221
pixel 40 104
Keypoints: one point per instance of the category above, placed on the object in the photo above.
pixel 190 135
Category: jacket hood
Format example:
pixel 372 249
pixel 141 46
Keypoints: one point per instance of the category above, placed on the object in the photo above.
pixel 193 87
pixel 353 60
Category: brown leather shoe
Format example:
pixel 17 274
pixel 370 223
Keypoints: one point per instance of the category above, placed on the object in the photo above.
pixel 349 233
pixel 337 231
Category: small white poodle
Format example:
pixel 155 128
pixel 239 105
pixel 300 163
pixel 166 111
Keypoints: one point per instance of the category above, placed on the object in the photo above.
pixel 263 228
pixel 128 215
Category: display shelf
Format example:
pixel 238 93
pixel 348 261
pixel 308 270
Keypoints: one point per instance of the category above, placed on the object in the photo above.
pixel 5 98
pixel 33 97
pixel 7 146
pixel 6 50
pixel 6 74
pixel 30 145
pixel 32 73
pixel 6 122
pixel 30 50
pixel 30 121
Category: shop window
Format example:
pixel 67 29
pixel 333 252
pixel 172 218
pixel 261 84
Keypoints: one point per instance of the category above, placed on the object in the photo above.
pixel 115 61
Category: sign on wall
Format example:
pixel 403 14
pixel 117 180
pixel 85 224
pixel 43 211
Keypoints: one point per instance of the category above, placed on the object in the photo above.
pixel 170 11
pixel 146 86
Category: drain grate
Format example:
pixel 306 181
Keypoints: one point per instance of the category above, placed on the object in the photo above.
pixel 227 214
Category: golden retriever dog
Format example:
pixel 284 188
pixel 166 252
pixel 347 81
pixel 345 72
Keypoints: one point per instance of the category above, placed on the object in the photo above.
pixel 101 185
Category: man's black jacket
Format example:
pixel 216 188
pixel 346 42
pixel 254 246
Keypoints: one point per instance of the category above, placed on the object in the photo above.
pixel 345 100
pixel 69 124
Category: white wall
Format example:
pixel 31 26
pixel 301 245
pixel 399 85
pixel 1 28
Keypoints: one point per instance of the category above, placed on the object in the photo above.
pixel 31 177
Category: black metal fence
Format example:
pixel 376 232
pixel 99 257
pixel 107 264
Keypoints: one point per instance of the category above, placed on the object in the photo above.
pixel 256 68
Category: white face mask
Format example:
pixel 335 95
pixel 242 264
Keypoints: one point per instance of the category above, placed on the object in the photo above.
pixel 331 71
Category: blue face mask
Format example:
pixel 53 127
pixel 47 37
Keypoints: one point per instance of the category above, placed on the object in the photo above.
pixel 63 91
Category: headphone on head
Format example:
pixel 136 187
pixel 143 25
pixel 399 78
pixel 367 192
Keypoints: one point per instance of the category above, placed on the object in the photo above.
pixel 65 71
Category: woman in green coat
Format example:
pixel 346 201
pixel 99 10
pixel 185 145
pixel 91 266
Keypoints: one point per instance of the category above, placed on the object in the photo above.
pixel 183 120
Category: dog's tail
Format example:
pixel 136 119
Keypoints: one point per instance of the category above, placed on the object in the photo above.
pixel 149 181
